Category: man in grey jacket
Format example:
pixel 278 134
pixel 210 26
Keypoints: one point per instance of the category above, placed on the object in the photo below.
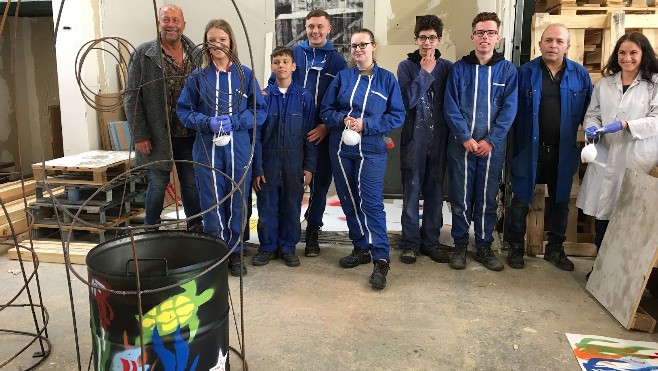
pixel 156 75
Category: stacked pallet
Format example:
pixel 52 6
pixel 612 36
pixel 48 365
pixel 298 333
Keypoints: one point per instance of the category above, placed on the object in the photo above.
pixel 15 195
pixel 98 194
pixel 593 37
pixel 573 7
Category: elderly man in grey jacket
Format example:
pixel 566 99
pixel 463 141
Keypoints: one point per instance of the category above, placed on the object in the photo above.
pixel 156 76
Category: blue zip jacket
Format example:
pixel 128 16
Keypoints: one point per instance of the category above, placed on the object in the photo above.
pixel 481 100
pixel 316 68
pixel 376 99
pixel 196 105
pixel 575 93
pixel 282 138
pixel 423 95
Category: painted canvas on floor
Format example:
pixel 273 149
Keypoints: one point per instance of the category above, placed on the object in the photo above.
pixel 600 353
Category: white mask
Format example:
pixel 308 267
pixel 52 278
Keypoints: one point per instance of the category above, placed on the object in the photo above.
pixel 351 137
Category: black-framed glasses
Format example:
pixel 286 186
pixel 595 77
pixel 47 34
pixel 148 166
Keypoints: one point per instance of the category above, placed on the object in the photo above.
pixel 480 33
pixel 423 38
pixel 360 46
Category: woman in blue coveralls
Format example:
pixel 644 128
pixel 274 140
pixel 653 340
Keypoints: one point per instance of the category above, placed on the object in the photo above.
pixel 364 98
pixel 216 102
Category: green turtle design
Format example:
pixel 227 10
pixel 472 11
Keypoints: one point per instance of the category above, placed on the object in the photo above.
pixel 179 310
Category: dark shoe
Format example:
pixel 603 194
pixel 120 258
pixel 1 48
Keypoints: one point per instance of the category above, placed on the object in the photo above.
pixel 408 256
pixel 263 257
pixel 515 255
pixel 485 256
pixel 458 259
pixel 559 259
pixel 357 257
pixel 378 276
pixel 290 259
pixel 236 265
pixel 438 255
pixel 312 246
pixel 588 274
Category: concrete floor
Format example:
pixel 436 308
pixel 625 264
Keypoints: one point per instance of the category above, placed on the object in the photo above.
pixel 321 317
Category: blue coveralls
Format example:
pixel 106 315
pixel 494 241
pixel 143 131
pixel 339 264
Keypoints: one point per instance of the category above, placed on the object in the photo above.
pixel 480 103
pixel 575 93
pixel 359 170
pixel 207 93
pixel 283 157
pixel 423 149
pixel 316 69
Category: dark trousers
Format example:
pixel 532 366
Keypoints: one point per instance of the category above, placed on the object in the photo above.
pixel 547 164
pixel 600 226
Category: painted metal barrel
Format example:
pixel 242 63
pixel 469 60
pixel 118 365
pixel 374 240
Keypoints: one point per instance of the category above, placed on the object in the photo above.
pixel 182 328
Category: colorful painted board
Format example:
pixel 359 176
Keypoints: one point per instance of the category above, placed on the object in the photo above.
pixel 600 353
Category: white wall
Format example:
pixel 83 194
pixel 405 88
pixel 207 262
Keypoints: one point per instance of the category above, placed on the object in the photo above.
pixel 135 21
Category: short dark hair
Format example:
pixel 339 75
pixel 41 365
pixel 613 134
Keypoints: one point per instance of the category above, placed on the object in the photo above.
pixel 429 22
pixel 485 16
pixel 318 13
pixel 648 64
pixel 281 51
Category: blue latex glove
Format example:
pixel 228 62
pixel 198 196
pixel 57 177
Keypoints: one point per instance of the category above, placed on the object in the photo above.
pixel 611 128
pixel 222 122
pixel 591 133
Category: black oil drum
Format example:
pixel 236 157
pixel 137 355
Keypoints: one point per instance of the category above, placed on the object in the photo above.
pixel 183 328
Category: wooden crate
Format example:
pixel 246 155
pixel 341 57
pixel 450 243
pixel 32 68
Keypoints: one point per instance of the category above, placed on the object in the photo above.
pixel 50 251
pixel 584 29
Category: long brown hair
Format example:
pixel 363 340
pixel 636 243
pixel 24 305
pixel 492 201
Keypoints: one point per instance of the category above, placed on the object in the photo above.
pixel 224 26
pixel 366 31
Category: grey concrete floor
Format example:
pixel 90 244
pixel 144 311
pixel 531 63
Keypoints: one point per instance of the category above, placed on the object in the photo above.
pixel 321 317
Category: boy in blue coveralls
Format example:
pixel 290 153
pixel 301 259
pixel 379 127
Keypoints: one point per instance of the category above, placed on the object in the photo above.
pixel 422 77
pixel 279 181
pixel 480 106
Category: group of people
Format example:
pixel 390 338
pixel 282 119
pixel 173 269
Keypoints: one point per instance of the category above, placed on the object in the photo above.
pixel 321 118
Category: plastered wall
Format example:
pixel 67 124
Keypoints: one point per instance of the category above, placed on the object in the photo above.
pixel 392 21
pixel 24 95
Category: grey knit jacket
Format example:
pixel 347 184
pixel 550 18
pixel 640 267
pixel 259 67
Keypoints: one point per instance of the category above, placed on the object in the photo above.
pixel 145 102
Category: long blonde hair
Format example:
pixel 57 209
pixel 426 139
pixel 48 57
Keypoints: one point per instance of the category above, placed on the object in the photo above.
pixel 224 26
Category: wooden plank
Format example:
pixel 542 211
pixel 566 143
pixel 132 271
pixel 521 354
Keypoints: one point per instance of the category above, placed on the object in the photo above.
pixel 51 252
pixel 641 21
pixel 643 321
pixel 628 253
pixel 112 222
pixel 91 160
pixel 14 190
pixel 654 173
pixel 20 226
pixel 535 222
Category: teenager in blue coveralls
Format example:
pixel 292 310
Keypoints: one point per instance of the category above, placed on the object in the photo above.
pixel 317 65
pixel 215 102
pixel 480 105
pixel 365 98
pixel 284 162
pixel 553 96
pixel 422 77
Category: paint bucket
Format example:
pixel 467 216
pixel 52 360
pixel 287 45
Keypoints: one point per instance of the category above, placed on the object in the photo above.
pixel 185 327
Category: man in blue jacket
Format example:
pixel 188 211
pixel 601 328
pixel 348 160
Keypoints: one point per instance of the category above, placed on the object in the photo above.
pixel 480 106
pixel 422 77
pixel 317 65
pixel 544 146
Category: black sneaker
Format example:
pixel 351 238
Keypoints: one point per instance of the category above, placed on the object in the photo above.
pixel 290 259
pixel 458 259
pixel 263 257
pixel 515 255
pixel 485 256
pixel 378 276
pixel 559 259
pixel 236 265
pixel 437 254
pixel 357 257
pixel 408 256
pixel 312 246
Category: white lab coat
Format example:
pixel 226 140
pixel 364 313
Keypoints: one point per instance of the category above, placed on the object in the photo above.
pixel 636 148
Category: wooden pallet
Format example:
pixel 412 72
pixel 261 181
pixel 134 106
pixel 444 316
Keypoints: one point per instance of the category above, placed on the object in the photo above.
pixel 593 37
pixel 50 251
pixel 12 191
pixel 590 9
pixel 91 168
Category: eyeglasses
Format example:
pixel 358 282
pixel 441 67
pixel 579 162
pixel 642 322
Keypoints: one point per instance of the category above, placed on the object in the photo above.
pixel 423 38
pixel 360 46
pixel 480 33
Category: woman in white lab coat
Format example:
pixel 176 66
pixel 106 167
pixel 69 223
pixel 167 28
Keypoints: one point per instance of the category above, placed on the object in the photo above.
pixel 623 116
